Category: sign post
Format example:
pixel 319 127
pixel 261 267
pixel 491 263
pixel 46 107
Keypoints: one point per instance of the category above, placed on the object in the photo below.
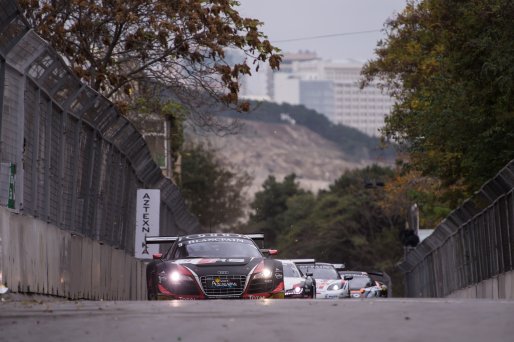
pixel 147 221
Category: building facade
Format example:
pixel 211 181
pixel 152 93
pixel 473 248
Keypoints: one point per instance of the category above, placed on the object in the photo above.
pixel 331 88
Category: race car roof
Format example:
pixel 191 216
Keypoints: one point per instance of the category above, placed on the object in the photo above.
pixel 354 273
pixel 297 261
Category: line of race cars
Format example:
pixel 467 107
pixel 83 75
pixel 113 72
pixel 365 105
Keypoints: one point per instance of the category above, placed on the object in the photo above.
pixel 225 265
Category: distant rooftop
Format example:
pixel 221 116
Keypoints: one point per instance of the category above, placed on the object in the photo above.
pixel 301 55
pixel 346 61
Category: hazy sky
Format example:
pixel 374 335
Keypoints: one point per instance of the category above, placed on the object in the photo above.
pixel 292 19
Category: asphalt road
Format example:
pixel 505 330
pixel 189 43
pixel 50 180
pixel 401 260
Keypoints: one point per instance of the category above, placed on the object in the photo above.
pixel 260 320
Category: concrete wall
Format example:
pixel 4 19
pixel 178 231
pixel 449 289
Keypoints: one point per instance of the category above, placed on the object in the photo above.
pixel 499 287
pixel 37 257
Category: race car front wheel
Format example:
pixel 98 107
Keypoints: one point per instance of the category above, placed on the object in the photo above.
pixel 152 293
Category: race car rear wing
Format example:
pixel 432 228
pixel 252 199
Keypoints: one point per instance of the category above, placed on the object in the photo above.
pixel 151 240
pixel 255 236
pixel 303 261
pixel 339 267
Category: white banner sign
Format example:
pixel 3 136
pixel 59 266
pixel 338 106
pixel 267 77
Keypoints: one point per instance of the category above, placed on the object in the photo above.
pixel 147 221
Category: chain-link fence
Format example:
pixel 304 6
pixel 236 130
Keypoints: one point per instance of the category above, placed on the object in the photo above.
pixel 474 243
pixel 78 162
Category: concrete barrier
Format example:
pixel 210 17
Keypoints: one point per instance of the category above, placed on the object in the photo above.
pixel 37 257
pixel 499 287
pixel 468 292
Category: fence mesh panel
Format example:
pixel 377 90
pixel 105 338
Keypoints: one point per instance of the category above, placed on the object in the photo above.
pixel 478 248
pixel 78 161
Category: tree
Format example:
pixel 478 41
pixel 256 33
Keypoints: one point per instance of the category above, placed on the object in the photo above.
pixel 212 191
pixel 269 206
pixel 432 198
pixel 345 223
pixel 116 46
pixel 448 64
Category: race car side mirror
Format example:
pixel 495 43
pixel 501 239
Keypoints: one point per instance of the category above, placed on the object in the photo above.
pixel 269 251
pixel 157 256
pixel 348 277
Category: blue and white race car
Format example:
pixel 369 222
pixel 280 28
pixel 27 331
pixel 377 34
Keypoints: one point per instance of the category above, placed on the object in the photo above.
pixel 362 286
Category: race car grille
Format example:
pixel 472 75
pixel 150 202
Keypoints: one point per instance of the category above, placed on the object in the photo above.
pixel 223 285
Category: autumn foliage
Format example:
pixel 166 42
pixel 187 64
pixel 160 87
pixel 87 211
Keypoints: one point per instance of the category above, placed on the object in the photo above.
pixel 116 45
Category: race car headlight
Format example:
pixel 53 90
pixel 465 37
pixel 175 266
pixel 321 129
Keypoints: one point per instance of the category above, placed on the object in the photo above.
pixel 334 287
pixel 296 290
pixel 176 277
pixel 264 274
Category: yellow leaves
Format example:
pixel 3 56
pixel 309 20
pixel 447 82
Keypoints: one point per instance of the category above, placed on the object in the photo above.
pixel 413 48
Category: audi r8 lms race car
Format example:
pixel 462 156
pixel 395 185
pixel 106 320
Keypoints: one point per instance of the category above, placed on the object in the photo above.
pixel 329 284
pixel 296 284
pixel 362 286
pixel 204 266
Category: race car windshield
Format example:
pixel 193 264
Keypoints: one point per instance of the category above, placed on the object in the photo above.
pixel 359 282
pixel 291 271
pixel 217 249
pixel 321 272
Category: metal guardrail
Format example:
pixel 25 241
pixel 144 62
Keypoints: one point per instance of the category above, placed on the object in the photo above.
pixel 79 162
pixel 474 243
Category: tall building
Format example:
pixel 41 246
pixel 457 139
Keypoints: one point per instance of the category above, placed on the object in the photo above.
pixel 318 95
pixel 330 88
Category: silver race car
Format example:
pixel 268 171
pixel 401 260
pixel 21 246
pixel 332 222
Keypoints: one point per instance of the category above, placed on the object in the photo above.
pixel 329 284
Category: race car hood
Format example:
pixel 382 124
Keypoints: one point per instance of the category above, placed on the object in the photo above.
pixel 209 266
pixel 290 281
pixel 322 284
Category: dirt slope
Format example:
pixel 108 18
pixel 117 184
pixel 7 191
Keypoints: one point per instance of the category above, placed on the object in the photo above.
pixel 264 149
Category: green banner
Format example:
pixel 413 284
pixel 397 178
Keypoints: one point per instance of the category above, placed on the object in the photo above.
pixel 11 197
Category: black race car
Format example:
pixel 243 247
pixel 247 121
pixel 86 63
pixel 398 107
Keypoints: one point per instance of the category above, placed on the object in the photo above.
pixel 205 266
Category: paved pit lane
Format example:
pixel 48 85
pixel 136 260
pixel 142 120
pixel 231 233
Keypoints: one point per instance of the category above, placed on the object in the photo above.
pixel 261 320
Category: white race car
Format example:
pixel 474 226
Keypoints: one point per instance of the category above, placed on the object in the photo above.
pixel 329 284
pixel 296 284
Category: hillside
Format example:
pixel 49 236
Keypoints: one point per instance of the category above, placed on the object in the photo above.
pixel 356 145
pixel 266 148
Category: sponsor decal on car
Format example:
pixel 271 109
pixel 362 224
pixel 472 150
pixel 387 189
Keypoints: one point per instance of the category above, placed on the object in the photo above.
pixel 331 296
pixel 217 239
pixel 223 283
pixel 203 261
pixel 209 235
pixel 256 297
